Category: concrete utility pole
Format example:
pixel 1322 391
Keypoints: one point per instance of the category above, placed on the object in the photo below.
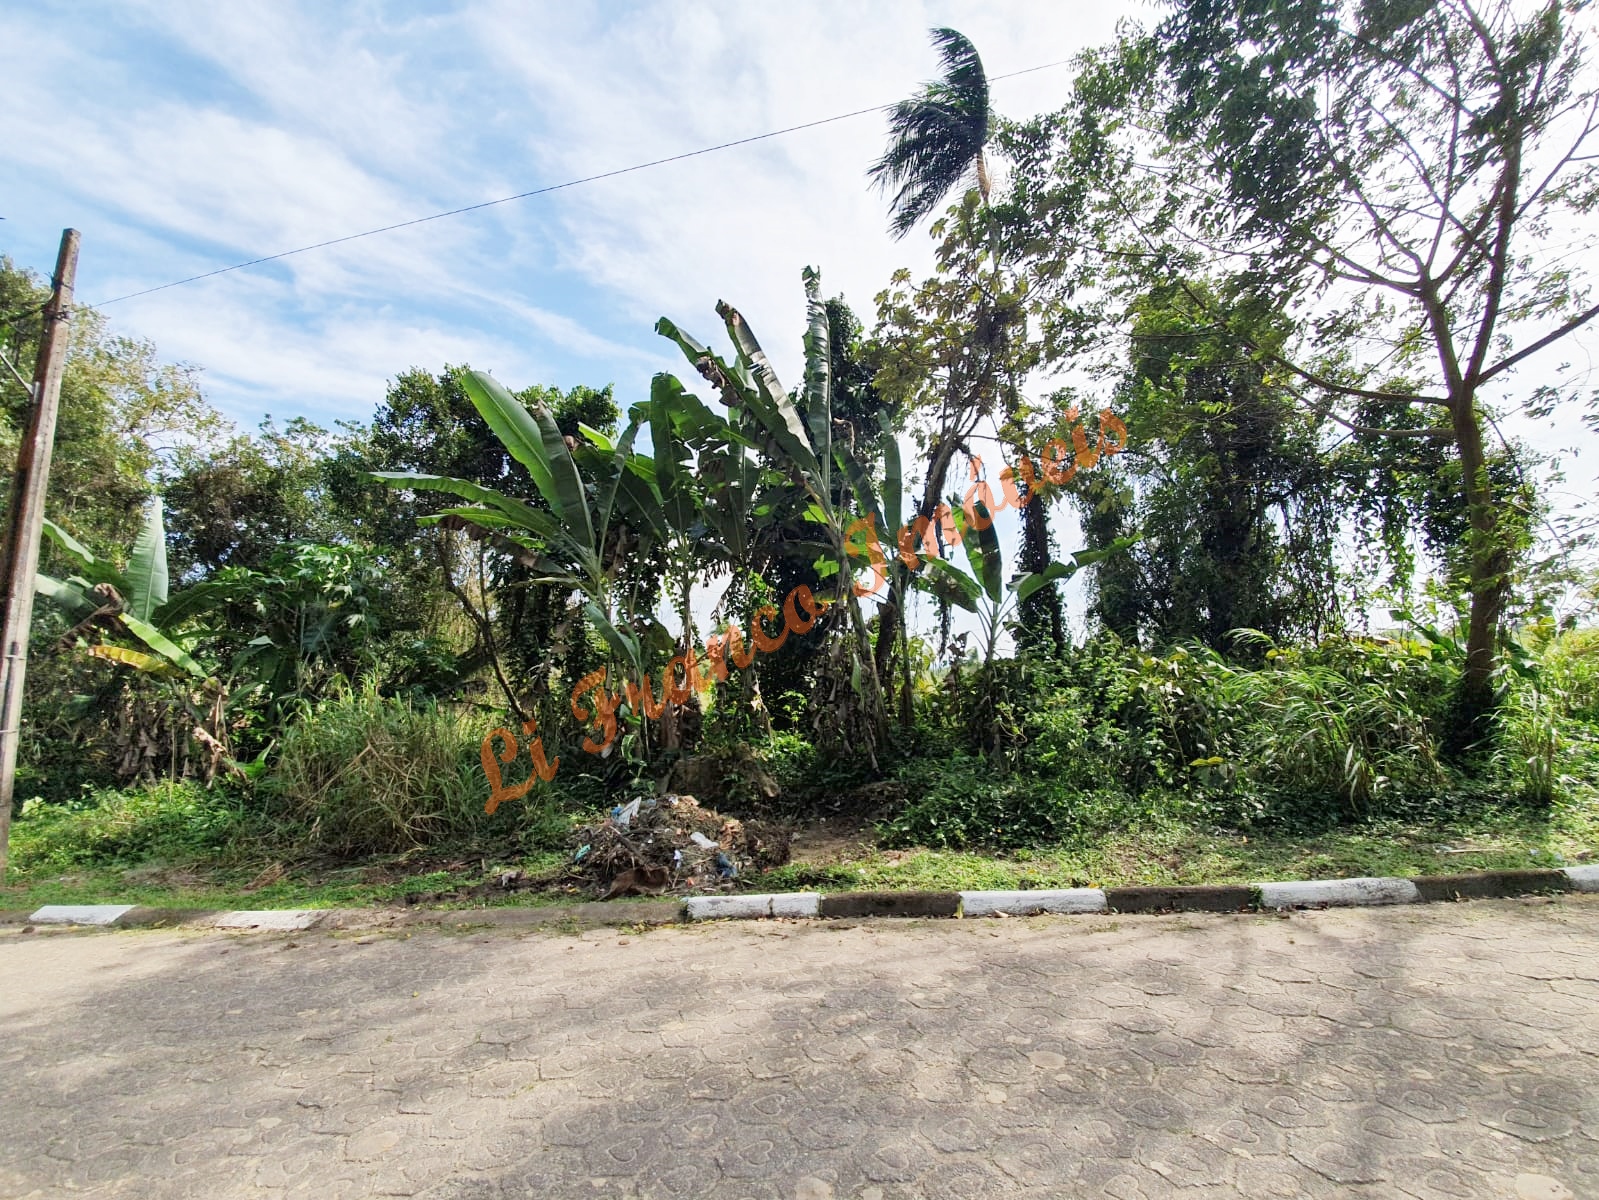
pixel 19 557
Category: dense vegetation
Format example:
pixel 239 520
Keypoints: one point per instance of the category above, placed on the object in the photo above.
pixel 1322 594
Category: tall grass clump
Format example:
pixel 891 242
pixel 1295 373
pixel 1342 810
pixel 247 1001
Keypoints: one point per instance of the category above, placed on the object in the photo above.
pixel 1547 725
pixel 364 773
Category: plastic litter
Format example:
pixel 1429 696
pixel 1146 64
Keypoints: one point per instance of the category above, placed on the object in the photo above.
pixel 673 845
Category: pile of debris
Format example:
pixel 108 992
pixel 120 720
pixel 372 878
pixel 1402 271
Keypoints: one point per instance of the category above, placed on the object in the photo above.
pixel 659 844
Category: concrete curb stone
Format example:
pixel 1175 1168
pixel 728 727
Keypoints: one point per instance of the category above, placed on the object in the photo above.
pixel 890 904
pixel 80 914
pixel 282 920
pixel 1179 899
pixel 1339 893
pixel 1583 879
pixel 779 904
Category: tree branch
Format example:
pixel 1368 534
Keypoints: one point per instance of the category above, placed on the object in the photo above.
pixel 1503 365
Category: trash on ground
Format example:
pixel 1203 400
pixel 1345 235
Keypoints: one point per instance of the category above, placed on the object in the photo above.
pixel 670 844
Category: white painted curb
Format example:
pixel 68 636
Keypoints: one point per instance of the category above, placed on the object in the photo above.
pixel 1340 892
pixel 1022 904
pixel 284 919
pixel 782 904
pixel 1583 879
pixel 80 914
pixel 796 904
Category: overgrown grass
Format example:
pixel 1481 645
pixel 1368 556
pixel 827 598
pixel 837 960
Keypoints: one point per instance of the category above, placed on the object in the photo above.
pixel 1120 768
pixel 363 773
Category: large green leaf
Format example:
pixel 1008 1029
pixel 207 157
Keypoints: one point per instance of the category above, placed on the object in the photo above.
pixel 769 403
pixel 147 566
pixel 621 452
pixel 625 645
pixel 982 550
pixel 861 484
pixel 511 422
pixel 94 570
pixel 194 600
pixel 893 479
pixel 162 645
pixel 1026 585
pixel 520 513
pixel 74 549
pixel 674 474
pixel 945 579
pixel 818 373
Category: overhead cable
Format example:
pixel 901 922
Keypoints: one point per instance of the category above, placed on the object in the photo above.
pixel 543 191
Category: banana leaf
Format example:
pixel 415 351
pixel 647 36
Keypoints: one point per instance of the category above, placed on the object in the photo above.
pixel 523 514
pixel 68 596
pixel 674 475
pixel 534 440
pixel 947 581
pixel 1026 585
pixel 147 566
pixel 136 659
pixel 768 401
pixel 94 570
pixel 982 550
pixel 818 373
pixel 162 645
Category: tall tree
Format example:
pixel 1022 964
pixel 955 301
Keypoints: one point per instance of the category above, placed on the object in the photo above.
pixel 1226 477
pixel 1403 179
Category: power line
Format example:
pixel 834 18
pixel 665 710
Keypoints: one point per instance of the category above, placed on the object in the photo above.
pixel 554 187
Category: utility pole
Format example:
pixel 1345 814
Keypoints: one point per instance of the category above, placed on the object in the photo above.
pixel 19 556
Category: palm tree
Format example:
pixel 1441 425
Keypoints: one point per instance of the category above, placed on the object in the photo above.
pixel 936 141
pixel 936 138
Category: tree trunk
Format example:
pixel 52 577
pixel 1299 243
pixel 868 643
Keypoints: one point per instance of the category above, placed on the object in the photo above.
pixel 1476 700
pixel 1043 623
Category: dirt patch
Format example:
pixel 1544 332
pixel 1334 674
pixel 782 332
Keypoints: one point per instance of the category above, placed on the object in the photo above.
pixel 829 843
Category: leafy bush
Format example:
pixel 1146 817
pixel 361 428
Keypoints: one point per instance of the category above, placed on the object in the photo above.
pixel 161 821
pixel 962 802
pixel 365 773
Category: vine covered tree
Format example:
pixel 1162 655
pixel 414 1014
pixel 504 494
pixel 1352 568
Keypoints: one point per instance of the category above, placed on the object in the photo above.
pixel 1402 180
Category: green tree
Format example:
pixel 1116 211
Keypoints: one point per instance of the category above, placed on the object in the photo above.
pixel 235 504
pixel 1226 477
pixel 123 412
pixel 1402 179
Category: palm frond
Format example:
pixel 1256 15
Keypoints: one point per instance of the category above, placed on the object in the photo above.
pixel 937 136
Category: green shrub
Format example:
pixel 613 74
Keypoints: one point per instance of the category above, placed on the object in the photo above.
pixel 364 773
pixel 963 802
pixel 163 821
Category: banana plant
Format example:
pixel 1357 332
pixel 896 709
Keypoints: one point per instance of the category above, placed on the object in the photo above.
pixel 580 539
pixel 800 447
pixel 130 605
pixel 133 606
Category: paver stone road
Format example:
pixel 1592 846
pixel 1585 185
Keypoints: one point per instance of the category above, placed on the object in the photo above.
pixel 1446 1051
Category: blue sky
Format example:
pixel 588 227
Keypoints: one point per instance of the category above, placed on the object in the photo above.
pixel 191 136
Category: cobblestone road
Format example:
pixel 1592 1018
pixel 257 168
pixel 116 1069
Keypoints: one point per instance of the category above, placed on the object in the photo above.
pixel 1432 1052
